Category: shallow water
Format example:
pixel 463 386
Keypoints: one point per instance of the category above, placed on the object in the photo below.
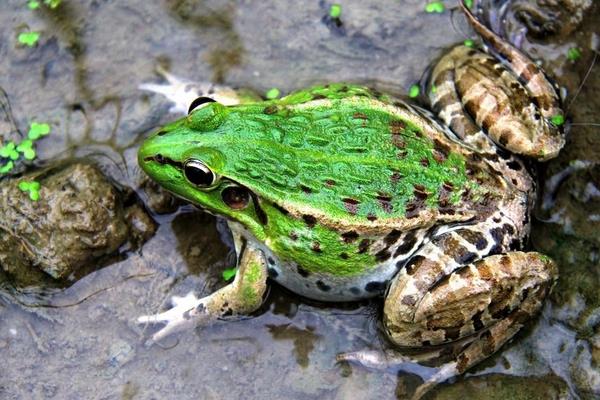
pixel 83 78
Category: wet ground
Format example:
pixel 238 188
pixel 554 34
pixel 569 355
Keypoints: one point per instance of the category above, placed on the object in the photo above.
pixel 83 78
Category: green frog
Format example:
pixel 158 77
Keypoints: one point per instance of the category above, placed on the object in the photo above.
pixel 341 193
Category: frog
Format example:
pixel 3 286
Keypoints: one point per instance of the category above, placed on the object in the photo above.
pixel 342 193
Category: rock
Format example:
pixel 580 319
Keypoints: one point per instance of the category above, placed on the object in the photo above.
pixel 78 218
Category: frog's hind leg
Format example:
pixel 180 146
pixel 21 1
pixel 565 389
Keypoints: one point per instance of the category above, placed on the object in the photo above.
pixel 243 296
pixel 446 296
pixel 513 104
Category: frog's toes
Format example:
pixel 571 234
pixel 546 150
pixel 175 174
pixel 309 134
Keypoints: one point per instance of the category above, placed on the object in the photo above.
pixel 374 359
pixel 183 315
pixel 189 300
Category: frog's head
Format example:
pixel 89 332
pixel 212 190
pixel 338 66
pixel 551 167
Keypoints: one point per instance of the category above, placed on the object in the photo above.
pixel 193 158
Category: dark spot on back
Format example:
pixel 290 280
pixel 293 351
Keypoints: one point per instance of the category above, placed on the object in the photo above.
pixel 272 273
pixel 382 255
pixel 271 261
pixel 323 287
pixel 497 234
pixel 372 217
pixel 344 256
pixel 349 237
pixel 272 109
pixel 303 273
pixel 391 237
pixel 375 287
pixel 316 247
pixel 514 165
pixel 408 242
pixel 309 220
pixel 363 246
pixel 475 238
pixel 413 263
pixel 508 228
pixel 306 189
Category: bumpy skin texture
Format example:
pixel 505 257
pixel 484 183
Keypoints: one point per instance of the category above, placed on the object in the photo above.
pixel 345 193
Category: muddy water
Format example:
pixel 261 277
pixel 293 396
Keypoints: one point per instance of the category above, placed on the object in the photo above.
pixel 83 77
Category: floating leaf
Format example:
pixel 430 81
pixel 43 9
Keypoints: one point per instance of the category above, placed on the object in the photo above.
pixel 414 91
pixel 468 3
pixel 335 11
pixel 29 38
pixel 229 273
pixel 469 43
pixel 33 5
pixel 435 7
pixel 37 130
pixel 272 93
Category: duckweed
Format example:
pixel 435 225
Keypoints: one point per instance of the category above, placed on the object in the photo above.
pixel 435 7
pixel 28 39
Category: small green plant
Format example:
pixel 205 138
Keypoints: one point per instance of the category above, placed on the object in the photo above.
pixel 272 93
pixel 573 54
pixel 33 4
pixel 32 188
pixel 228 274
pixel 335 11
pixel 557 120
pixel 52 3
pixel 11 151
pixel 468 3
pixel 414 91
pixel 469 43
pixel 435 7
pixel 28 39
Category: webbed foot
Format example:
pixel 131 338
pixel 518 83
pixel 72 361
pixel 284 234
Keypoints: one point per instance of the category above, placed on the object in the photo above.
pixel 243 296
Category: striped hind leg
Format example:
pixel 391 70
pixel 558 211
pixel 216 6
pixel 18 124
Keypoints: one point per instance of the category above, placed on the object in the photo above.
pixel 467 292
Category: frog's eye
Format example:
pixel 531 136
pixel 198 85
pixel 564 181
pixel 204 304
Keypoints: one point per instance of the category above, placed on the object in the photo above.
pixel 200 101
pixel 199 174
pixel 236 197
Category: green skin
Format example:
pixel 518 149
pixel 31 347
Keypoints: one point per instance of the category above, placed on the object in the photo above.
pixel 336 153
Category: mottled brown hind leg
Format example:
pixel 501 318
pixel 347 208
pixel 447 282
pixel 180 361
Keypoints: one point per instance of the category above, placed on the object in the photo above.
pixel 474 310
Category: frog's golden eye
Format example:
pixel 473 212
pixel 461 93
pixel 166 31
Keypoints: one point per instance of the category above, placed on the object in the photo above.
pixel 199 174
pixel 200 101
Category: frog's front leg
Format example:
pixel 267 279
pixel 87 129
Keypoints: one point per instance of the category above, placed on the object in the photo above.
pixel 183 92
pixel 243 296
